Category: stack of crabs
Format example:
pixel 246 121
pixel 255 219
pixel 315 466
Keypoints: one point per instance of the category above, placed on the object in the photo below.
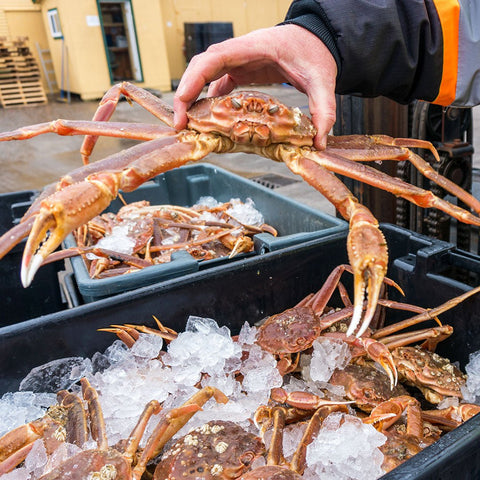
pixel 253 122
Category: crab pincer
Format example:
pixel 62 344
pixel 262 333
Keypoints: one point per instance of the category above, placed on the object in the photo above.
pixel 59 214
pixel 368 256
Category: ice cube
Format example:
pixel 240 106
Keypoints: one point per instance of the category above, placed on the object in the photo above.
pixel 472 387
pixel 51 376
pixel 245 212
pixel 346 448
pixel 328 355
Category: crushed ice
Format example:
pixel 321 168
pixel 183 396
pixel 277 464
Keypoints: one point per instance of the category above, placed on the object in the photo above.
pixel 204 354
pixel 121 238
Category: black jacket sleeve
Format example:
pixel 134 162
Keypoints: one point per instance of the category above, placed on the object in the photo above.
pixel 382 47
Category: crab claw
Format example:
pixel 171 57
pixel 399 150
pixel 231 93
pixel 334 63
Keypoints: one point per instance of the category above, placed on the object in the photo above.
pixel 59 214
pixel 380 353
pixel 367 252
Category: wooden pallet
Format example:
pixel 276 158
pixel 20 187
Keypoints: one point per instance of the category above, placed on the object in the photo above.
pixel 20 93
pixel 20 83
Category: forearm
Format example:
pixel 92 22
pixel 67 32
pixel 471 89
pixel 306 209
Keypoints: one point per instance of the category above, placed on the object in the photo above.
pixel 404 50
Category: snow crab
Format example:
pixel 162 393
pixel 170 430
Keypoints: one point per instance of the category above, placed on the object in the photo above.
pixel 243 121
pixel 123 461
pixel 218 449
pixel 293 331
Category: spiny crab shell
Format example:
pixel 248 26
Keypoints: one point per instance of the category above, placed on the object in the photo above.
pixel 216 450
pixel 434 375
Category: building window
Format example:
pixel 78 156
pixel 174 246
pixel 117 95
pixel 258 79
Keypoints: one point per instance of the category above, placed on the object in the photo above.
pixel 54 22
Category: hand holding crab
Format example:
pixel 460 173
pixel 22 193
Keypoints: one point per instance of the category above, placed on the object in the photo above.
pixel 249 122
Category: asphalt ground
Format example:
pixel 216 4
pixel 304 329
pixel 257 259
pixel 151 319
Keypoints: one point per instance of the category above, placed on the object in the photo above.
pixel 36 162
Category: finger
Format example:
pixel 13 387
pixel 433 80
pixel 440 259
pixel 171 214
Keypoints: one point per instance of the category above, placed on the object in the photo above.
pixel 323 112
pixel 222 86
pixel 179 114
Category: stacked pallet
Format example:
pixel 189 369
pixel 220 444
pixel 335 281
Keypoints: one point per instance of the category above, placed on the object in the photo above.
pixel 20 83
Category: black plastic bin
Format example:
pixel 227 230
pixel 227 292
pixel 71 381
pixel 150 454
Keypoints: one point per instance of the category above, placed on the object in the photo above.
pixel 296 223
pixel 262 286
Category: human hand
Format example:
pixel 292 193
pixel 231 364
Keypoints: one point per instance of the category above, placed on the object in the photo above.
pixel 286 53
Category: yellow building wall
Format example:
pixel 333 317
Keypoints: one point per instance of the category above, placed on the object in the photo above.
pixel 246 15
pixel 85 70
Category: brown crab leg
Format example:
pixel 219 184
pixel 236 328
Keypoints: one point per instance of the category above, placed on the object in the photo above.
pixel 126 334
pixel 14 236
pixel 418 196
pixel 109 102
pixel 366 245
pixel 134 131
pixel 368 148
pixel 320 299
pixel 67 209
pixel 382 147
pixel 172 423
pixel 152 408
pixel 431 336
pixel 77 423
pixel 429 314
pixel 97 422
pixel 16 444
pixel 299 458
pixel 113 162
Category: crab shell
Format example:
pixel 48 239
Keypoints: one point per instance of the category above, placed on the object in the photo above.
pixel 291 331
pixel 271 472
pixel 218 450
pixel 434 375
pixel 365 385
pixel 263 121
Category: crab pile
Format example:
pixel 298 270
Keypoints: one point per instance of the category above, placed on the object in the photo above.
pixel 292 397
pixel 140 235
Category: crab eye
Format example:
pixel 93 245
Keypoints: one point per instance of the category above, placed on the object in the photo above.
pixel 236 104
pixel 273 109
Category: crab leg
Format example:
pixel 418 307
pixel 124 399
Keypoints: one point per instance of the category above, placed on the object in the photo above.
pixel 319 300
pixel 428 314
pixel 387 413
pixel 366 245
pixel 14 236
pixel 109 102
pixel 74 205
pixel 172 423
pixel 16 444
pixel 431 336
pixel 382 147
pixel 134 131
pixel 376 178
pixel 113 162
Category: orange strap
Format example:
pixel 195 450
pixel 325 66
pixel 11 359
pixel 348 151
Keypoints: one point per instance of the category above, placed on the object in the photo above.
pixel 449 14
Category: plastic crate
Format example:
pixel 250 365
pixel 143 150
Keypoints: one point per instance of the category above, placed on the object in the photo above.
pixel 45 295
pixel 262 286
pixel 184 186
